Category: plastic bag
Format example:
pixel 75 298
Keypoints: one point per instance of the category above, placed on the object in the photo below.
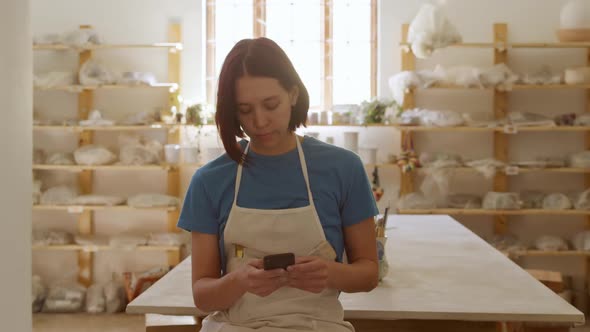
pixel 137 78
pixel 59 195
pixel 141 118
pixel 582 201
pixel 94 155
pixel 61 158
pixel 115 298
pixel 54 79
pixel 51 237
pixel 580 160
pixel 581 241
pixel 49 38
pixel 527 119
pixel 508 243
pixel 543 76
pixel 557 201
pixel 95 300
pixel 466 76
pixel 464 201
pixel 152 200
pixel 137 150
pixel 432 118
pixel 401 82
pixel 500 76
pixel 440 159
pixel 532 199
pixel 39 293
pixel 430 30
pixel 95 119
pixel 550 243
pixel 128 241
pixel 486 167
pixel 93 72
pixel 542 162
pixel 414 201
pixel 65 298
pixel 168 239
pixel 582 120
pixel 501 201
pixel 81 37
pixel 99 200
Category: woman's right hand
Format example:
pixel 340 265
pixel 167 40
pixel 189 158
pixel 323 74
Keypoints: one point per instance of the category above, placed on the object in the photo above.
pixel 254 279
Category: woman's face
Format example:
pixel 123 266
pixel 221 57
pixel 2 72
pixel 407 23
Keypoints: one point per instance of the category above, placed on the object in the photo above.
pixel 264 111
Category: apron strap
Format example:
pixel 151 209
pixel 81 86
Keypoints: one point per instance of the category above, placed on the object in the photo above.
pixel 303 168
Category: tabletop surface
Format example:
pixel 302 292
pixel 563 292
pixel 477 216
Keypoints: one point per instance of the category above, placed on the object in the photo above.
pixel 438 270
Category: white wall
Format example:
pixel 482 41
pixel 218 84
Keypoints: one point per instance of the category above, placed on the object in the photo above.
pixel 15 192
pixel 145 21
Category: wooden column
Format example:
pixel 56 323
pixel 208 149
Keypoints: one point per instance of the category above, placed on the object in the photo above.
pixel 259 18
pixel 85 178
pixel 500 111
pixel 408 64
pixel 210 77
pixel 327 54
pixel 173 175
pixel 374 47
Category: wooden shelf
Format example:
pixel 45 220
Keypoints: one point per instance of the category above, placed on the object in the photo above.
pixel 57 47
pixel 75 247
pixel 520 169
pixel 155 126
pixel 75 88
pixel 513 87
pixel 78 168
pixel 519 45
pixel 542 253
pixel 495 212
pixel 496 129
pixel 81 208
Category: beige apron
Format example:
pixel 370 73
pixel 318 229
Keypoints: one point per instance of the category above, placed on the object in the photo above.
pixel 263 232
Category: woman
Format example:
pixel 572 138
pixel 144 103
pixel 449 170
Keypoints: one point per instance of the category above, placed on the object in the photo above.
pixel 276 193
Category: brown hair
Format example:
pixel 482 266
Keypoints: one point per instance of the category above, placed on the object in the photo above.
pixel 259 57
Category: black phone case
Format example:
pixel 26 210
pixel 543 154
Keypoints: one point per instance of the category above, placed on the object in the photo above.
pixel 278 261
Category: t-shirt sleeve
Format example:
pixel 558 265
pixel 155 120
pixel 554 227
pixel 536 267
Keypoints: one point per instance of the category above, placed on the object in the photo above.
pixel 198 214
pixel 358 202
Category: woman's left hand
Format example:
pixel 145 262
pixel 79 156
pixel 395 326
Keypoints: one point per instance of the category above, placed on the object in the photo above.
pixel 309 273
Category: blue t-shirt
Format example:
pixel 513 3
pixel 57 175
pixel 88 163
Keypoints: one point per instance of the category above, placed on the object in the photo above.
pixel 339 184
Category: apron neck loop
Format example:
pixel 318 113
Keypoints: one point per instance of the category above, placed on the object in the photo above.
pixel 303 168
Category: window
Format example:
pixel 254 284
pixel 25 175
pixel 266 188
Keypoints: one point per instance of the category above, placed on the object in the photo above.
pixel 332 43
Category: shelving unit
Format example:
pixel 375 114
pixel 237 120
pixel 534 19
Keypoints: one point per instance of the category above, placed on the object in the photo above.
pixel 501 135
pixel 86 137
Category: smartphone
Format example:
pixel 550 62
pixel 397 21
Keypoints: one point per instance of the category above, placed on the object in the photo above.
pixel 278 261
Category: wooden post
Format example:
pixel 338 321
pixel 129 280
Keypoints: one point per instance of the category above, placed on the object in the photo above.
pixel 500 110
pixel 210 49
pixel 85 178
pixel 327 54
pixel 587 181
pixel 408 64
pixel 173 175
pixel 259 18
pixel 374 47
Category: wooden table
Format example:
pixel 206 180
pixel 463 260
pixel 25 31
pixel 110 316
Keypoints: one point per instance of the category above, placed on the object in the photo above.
pixel 439 271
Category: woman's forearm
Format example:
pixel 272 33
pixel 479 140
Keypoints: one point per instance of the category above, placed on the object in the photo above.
pixel 212 294
pixel 359 276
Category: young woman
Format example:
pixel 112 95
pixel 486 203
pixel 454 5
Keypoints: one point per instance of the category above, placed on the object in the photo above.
pixel 276 193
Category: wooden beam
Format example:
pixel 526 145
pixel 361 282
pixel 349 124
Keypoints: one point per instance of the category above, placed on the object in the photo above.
pixel 408 64
pixel 259 18
pixel 500 138
pixel 374 47
pixel 327 54
pixel 211 75
pixel 85 178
